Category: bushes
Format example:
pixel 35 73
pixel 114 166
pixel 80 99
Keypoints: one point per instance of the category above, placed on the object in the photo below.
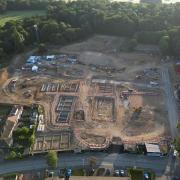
pixel 177 144
pixel 14 155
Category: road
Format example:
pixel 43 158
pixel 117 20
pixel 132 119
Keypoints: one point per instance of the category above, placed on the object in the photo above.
pixel 172 116
pixel 170 101
pixel 157 164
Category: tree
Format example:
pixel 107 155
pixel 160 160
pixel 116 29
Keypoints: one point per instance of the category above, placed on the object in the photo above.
pixel 174 35
pixel 69 21
pixel 40 109
pixel 150 37
pixel 13 37
pixel 119 25
pixel 31 140
pixel 21 136
pixel 42 48
pixel 1 52
pixel 178 125
pixel 52 159
pixel 49 29
pixel 12 155
pixel 72 34
pixel 164 45
pixel 177 144
pixel 177 46
pixel 27 4
pixel 3 6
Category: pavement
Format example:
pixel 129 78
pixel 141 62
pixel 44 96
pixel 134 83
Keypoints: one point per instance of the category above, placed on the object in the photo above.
pixel 92 178
pixel 157 164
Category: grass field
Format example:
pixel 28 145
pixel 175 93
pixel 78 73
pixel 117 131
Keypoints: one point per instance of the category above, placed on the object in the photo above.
pixel 16 15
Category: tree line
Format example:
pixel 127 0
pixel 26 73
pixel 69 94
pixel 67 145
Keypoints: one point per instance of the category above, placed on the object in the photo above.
pixel 7 5
pixel 67 22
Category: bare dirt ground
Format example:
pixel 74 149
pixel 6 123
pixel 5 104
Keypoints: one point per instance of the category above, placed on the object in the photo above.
pixel 149 124
pixel 133 118
pixel 105 51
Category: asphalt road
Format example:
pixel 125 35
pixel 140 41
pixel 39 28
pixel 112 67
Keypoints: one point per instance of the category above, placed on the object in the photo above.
pixel 171 169
pixel 170 101
pixel 157 164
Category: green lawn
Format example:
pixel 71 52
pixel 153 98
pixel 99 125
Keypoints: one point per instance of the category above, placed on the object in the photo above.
pixel 16 15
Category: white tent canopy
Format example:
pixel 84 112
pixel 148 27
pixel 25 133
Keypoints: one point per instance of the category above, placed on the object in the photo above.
pixel 35 68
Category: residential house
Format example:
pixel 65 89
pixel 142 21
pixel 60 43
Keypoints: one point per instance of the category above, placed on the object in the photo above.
pixel 10 124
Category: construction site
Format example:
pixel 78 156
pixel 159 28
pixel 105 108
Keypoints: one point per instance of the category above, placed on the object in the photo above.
pixel 116 94
pixel 57 141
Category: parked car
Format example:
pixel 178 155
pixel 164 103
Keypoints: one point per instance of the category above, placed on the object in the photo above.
pixel 154 84
pixel 119 173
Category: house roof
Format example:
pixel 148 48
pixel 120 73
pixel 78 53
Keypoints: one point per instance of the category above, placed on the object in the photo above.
pixel 152 148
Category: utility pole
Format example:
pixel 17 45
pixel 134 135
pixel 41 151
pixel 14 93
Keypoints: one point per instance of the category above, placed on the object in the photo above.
pixel 37 32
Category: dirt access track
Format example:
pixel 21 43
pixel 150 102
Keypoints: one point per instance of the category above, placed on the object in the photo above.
pixel 111 97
